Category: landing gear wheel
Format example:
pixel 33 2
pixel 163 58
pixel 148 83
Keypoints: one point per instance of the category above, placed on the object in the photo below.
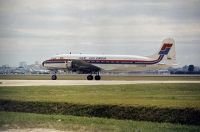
pixel 89 77
pixel 53 77
pixel 97 77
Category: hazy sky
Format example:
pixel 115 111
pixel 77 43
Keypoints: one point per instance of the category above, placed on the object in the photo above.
pixel 33 30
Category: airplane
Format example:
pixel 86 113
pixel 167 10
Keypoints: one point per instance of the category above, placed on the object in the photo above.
pixel 93 64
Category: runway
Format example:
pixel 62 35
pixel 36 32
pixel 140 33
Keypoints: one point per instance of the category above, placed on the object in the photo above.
pixel 79 82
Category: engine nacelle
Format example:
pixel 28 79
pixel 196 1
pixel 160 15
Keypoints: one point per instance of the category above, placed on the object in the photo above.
pixel 69 65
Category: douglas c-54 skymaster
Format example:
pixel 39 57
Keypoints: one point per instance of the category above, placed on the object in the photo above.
pixel 93 64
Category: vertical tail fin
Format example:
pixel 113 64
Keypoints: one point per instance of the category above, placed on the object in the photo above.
pixel 168 51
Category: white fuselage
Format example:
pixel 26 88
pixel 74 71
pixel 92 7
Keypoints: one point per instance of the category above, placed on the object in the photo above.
pixel 109 62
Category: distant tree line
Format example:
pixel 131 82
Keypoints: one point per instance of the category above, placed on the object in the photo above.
pixel 190 70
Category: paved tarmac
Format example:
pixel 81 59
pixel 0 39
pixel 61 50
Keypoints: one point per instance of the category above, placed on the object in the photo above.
pixel 79 82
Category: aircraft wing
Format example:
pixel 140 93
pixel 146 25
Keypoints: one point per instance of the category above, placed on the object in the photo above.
pixel 82 66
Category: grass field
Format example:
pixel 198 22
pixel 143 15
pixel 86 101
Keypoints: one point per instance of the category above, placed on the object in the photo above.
pixel 104 77
pixel 170 96
pixel 75 123
pixel 159 95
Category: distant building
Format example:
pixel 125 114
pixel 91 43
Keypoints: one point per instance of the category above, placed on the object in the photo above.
pixel 5 66
pixel 23 64
pixel 5 69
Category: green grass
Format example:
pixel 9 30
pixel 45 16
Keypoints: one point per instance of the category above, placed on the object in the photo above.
pixel 159 95
pixel 75 123
pixel 104 77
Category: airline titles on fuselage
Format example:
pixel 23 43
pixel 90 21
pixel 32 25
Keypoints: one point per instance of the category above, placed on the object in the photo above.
pixel 92 58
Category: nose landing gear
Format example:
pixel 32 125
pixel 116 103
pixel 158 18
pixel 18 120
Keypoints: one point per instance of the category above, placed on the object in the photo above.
pixel 53 77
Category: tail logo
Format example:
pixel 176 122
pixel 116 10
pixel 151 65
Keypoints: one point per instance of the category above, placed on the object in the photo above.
pixel 165 49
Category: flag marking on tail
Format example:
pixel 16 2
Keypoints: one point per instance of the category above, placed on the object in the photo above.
pixel 165 49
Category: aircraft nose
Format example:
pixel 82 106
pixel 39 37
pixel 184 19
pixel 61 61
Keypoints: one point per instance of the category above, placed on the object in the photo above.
pixel 43 63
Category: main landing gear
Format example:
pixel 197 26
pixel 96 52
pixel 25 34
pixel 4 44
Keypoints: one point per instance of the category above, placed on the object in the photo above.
pixel 97 77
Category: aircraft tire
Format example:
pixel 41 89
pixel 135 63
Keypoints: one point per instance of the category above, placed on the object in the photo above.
pixel 89 77
pixel 53 77
pixel 97 77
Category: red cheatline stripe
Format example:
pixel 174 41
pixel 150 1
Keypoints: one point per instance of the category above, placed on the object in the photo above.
pixel 55 60
pixel 151 62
